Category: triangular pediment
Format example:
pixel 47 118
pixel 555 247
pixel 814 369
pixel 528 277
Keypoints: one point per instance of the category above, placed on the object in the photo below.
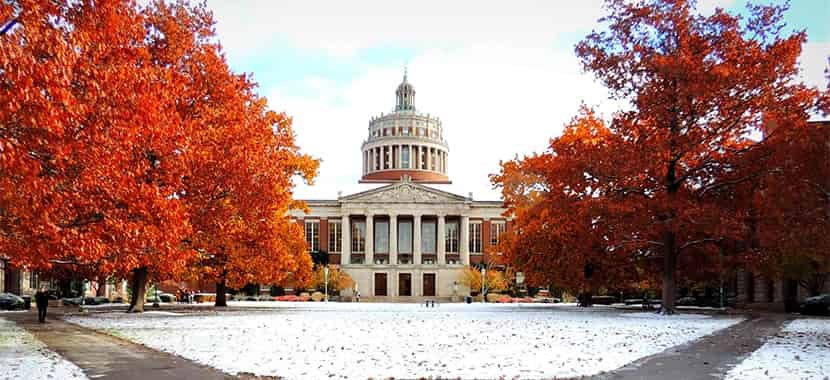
pixel 404 192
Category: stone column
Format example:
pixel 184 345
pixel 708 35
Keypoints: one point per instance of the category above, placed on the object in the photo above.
pixel 393 239
pixel 464 240
pixel 399 157
pixel 429 159
pixel 370 239
pixel 442 240
pixel 416 239
pixel 346 249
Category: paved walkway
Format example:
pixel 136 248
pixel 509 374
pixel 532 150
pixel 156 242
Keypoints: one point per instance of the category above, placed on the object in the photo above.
pixel 102 356
pixel 710 357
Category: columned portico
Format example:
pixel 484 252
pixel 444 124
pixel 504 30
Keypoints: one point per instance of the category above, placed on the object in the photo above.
pixel 416 239
pixel 393 241
pixel 464 245
pixel 370 239
pixel 442 232
pixel 346 245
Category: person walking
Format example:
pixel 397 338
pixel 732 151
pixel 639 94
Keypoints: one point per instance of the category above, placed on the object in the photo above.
pixel 42 301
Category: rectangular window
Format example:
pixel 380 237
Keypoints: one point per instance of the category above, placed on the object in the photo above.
pixel 405 237
pixel 451 237
pixel 312 235
pixel 405 157
pixel 475 237
pixel 382 236
pixel 358 236
pixel 428 232
pixel 335 236
pixel 496 229
pixel 32 280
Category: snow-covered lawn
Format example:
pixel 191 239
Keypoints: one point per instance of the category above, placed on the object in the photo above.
pixel 334 340
pixel 24 357
pixel 801 350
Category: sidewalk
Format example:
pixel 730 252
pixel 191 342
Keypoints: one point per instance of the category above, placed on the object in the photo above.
pixel 709 357
pixel 102 356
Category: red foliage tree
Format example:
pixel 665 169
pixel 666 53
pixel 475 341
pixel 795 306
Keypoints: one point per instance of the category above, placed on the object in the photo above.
pixel 120 126
pixel 90 145
pixel 699 88
pixel 556 199
pixel 241 161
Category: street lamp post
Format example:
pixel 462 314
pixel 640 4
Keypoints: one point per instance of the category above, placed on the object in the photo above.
pixel 156 292
pixel 326 272
pixel 520 280
pixel 483 278
pixel 83 294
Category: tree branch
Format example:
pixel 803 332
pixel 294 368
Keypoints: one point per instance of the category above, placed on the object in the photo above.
pixel 8 26
pixel 696 242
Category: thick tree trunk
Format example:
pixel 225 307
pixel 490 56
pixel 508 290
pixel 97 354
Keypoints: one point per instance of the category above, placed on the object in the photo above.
pixel 102 287
pixel 669 271
pixel 586 299
pixel 221 300
pixel 139 290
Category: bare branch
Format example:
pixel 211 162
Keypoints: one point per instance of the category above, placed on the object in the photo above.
pixel 697 242
pixel 8 26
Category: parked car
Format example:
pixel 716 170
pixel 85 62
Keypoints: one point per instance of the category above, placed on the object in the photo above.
pixel 10 301
pixel 687 301
pixel 71 301
pixel 818 305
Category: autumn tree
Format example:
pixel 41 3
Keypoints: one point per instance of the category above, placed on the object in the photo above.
pixel 699 87
pixel 793 208
pixel 91 148
pixel 560 203
pixel 494 280
pixel 337 279
pixel 241 161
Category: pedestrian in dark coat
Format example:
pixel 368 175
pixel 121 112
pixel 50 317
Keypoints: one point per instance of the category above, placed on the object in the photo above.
pixel 42 301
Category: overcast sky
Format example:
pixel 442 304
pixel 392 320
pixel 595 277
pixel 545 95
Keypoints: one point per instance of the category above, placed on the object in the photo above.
pixel 501 75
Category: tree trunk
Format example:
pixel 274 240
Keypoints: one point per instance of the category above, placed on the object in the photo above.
pixel 586 299
pixel 139 290
pixel 221 300
pixel 669 270
pixel 102 287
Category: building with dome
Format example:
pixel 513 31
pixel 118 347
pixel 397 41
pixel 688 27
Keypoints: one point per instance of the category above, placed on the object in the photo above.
pixel 405 240
pixel 405 142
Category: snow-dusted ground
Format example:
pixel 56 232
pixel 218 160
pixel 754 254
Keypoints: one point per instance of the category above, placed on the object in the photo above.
pixel 24 357
pixel 361 340
pixel 801 350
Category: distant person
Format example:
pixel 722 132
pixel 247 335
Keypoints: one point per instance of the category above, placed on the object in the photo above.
pixel 42 301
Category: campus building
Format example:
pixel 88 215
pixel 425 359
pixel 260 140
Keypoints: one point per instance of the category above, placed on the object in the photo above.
pixel 404 240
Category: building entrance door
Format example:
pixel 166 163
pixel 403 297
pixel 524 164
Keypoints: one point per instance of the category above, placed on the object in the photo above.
pixel 380 284
pixel 429 284
pixel 404 284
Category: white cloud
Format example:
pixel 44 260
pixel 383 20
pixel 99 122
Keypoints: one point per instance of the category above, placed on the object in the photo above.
pixel 813 63
pixel 494 101
pixel 343 27
pixel 707 7
pixel 497 73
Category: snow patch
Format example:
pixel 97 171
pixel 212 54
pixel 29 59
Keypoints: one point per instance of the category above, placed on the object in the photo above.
pixel 351 340
pixel 22 356
pixel 801 350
